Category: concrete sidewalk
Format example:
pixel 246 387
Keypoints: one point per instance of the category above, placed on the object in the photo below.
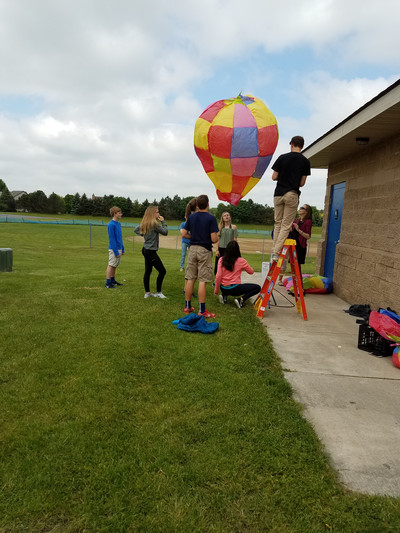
pixel 351 398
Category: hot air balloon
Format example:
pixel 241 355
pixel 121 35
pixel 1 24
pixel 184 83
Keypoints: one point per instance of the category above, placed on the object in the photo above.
pixel 235 140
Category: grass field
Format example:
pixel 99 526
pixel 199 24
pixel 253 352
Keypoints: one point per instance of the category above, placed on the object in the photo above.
pixel 115 421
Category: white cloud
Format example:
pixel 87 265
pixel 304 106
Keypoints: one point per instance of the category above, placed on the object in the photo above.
pixel 119 84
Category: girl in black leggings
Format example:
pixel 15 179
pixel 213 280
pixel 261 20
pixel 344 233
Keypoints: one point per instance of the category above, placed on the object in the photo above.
pixel 151 226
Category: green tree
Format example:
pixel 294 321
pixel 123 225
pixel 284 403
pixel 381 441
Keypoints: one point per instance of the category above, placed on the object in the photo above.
pixel 136 209
pixel 39 202
pixel 143 207
pixel 121 202
pixel 68 199
pixel 98 209
pixel 85 206
pixel 55 204
pixel 7 202
pixel 316 216
pixel 128 212
pixel 75 205
pixel 24 202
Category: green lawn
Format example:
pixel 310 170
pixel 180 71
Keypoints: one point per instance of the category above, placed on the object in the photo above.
pixel 115 421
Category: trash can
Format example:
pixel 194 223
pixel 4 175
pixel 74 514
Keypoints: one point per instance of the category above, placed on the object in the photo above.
pixel 6 259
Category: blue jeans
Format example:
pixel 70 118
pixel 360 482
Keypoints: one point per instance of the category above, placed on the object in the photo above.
pixel 185 247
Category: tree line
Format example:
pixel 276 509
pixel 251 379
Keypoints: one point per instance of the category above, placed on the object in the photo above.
pixel 247 211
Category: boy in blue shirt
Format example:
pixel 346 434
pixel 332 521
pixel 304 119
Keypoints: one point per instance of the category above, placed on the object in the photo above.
pixel 115 247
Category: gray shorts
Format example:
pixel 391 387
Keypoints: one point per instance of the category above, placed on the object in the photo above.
pixel 199 264
pixel 112 260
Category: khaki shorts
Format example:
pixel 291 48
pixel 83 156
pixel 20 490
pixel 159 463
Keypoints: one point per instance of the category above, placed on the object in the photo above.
pixel 112 260
pixel 199 264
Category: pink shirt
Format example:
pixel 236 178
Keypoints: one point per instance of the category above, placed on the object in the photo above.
pixel 226 277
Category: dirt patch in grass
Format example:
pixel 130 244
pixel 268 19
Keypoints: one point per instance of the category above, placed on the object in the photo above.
pixel 246 245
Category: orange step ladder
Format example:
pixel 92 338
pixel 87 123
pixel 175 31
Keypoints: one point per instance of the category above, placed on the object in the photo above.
pixel 289 249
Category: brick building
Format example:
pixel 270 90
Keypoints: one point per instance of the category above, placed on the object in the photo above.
pixel 360 244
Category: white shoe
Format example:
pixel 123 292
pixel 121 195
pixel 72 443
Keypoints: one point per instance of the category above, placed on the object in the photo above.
pixel 222 299
pixel 159 295
pixel 148 294
pixel 181 270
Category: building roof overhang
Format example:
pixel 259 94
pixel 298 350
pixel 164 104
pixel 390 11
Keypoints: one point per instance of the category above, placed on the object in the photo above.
pixel 377 120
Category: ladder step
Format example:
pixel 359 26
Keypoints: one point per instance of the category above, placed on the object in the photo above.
pixel 289 249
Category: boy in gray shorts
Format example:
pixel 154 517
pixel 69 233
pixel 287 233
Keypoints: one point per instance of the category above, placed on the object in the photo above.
pixel 115 247
pixel 201 228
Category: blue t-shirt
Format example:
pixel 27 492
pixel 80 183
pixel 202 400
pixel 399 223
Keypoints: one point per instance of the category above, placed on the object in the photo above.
pixel 115 237
pixel 187 241
pixel 200 225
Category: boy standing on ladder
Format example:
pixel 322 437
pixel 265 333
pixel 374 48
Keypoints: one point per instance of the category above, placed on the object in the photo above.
pixel 290 173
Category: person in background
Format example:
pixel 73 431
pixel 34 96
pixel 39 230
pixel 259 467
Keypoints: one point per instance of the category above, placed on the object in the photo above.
pixel 227 232
pixel 230 267
pixel 150 228
pixel 301 232
pixel 190 208
pixel 302 228
pixel 115 247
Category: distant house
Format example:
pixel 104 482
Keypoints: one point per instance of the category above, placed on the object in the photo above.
pixel 17 194
pixel 360 244
pixel 96 197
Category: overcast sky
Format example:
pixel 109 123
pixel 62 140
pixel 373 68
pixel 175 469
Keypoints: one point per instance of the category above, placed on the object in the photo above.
pixel 102 97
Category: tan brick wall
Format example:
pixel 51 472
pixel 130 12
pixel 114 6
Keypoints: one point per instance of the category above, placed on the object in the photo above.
pixel 367 263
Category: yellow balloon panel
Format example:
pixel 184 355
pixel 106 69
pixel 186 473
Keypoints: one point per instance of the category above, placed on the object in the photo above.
pixel 201 133
pixel 222 180
pixel 261 114
pixel 222 164
pixel 250 184
pixel 225 117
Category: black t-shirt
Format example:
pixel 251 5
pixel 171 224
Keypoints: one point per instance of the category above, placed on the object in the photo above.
pixel 291 167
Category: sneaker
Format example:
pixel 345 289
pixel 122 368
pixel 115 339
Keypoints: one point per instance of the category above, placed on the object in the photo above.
pixel 116 284
pixel 181 270
pixel 239 303
pixel 188 310
pixel 207 314
pixel 274 258
pixel 148 294
pixel 159 295
pixel 223 299
pixel 109 286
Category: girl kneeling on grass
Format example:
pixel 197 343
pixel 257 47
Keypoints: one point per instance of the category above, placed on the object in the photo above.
pixel 230 267
pixel 151 226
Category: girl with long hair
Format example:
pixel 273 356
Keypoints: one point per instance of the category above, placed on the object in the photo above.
pixel 150 228
pixel 302 227
pixel 227 232
pixel 301 232
pixel 228 279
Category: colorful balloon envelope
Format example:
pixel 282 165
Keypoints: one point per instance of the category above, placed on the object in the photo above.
pixel 235 140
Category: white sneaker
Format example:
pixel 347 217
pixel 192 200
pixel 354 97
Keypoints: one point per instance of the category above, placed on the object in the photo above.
pixel 222 299
pixel 148 294
pixel 159 295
